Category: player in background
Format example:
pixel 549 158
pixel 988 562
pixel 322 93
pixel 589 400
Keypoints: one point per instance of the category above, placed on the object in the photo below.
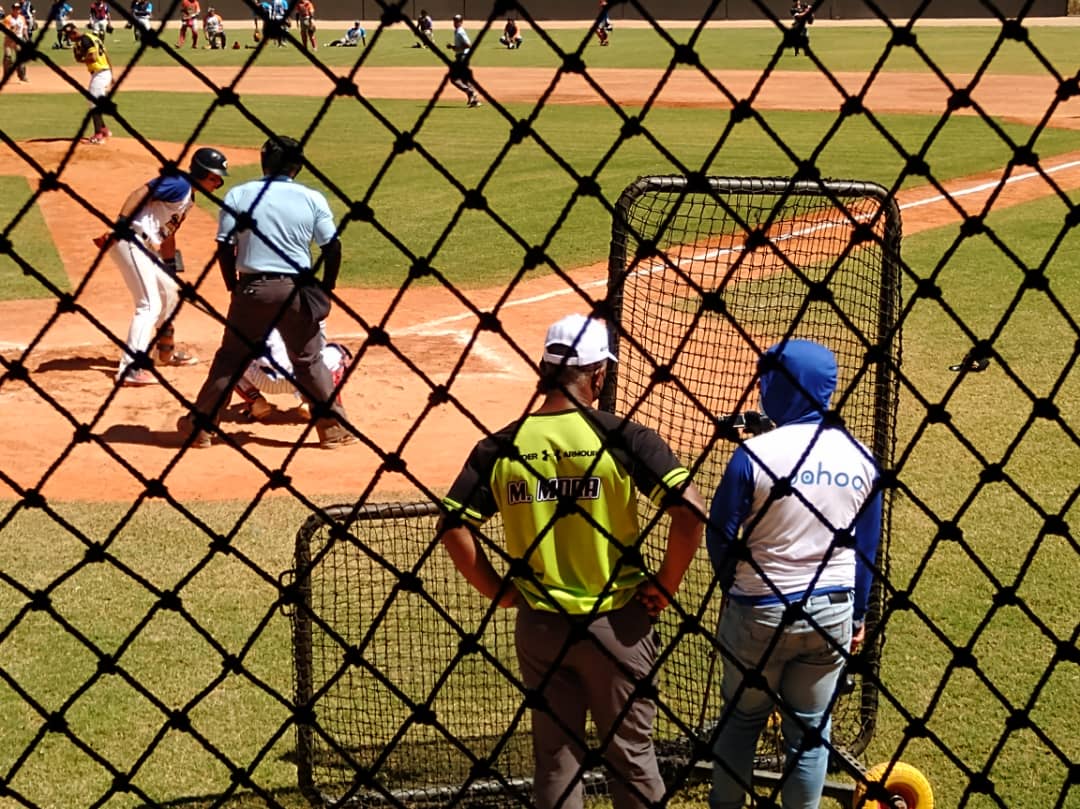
pixel 353 37
pixel 214 28
pixel 59 12
pixel 279 21
pixel 141 10
pixel 305 20
pixel 100 22
pixel 427 29
pixel 89 49
pixel 14 39
pixel 511 35
pixel 148 260
pixel 802 15
pixel 459 73
pixel 261 18
pixel 31 17
pixel 190 10
pixel 603 24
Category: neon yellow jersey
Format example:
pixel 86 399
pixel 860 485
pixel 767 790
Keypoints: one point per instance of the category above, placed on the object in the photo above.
pixel 566 485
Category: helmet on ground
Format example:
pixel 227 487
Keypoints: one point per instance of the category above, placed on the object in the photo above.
pixel 282 155
pixel 208 161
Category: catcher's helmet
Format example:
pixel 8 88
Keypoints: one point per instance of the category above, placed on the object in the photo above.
pixel 282 155
pixel 209 161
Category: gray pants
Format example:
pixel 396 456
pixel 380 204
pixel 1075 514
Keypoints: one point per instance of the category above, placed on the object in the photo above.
pixel 257 306
pixel 596 672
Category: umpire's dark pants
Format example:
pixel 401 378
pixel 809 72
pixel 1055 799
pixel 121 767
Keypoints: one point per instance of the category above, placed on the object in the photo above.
pixel 261 303
pixel 592 664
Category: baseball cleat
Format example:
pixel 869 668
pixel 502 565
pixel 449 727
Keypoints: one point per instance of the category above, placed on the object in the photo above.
pixel 185 425
pixel 333 435
pixel 138 378
pixel 176 358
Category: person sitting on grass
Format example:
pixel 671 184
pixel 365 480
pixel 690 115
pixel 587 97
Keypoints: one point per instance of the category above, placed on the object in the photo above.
pixel 352 38
pixel 511 36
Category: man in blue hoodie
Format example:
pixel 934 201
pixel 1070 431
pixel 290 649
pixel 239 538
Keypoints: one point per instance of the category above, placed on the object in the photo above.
pixel 797 586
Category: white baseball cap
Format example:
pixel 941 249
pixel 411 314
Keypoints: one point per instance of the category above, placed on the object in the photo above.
pixel 586 336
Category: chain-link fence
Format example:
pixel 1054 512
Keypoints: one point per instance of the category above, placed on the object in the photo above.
pixel 149 598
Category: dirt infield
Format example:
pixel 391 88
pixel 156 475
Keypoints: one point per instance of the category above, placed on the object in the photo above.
pixel 73 362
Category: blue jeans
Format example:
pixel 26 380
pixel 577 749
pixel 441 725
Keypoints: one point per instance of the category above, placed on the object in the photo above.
pixel 801 664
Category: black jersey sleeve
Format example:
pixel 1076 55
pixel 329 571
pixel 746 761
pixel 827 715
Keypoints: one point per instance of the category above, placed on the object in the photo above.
pixel 655 469
pixel 470 497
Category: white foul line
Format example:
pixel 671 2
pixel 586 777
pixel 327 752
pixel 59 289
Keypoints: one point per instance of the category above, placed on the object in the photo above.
pixel 422 328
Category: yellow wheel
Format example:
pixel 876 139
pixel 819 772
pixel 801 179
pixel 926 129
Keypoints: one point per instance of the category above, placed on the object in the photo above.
pixel 904 782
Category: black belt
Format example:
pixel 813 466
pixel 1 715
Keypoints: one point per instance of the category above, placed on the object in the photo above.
pixel 836 597
pixel 246 277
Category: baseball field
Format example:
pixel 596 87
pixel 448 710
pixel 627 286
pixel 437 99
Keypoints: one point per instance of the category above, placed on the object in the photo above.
pixel 144 659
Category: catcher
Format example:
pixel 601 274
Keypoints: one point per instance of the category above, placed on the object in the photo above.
pixel 272 374
pixel 89 49
pixel 305 20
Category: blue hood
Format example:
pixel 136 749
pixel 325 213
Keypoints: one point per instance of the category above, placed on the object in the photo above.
pixel 790 373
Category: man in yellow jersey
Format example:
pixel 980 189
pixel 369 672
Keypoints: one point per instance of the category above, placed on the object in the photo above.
pixel 89 49
pixel 566 479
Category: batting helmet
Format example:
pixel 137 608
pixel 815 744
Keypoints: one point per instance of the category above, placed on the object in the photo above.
pixel 282 155
pixel 209 161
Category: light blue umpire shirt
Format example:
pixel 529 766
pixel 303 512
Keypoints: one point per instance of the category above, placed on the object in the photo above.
pixel 287 218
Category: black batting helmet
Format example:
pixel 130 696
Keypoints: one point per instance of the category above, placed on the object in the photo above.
pixel 209 161
pixel 282 155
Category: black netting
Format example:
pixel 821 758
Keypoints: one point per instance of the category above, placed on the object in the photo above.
pixel 153 652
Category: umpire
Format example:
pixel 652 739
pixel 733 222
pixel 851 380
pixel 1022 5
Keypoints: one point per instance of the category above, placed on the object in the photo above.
pixel 565 480
pixel 265 231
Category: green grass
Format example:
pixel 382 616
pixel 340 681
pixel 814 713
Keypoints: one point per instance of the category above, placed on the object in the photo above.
pixel 990 410
pixel 953 50
pixel 31 241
